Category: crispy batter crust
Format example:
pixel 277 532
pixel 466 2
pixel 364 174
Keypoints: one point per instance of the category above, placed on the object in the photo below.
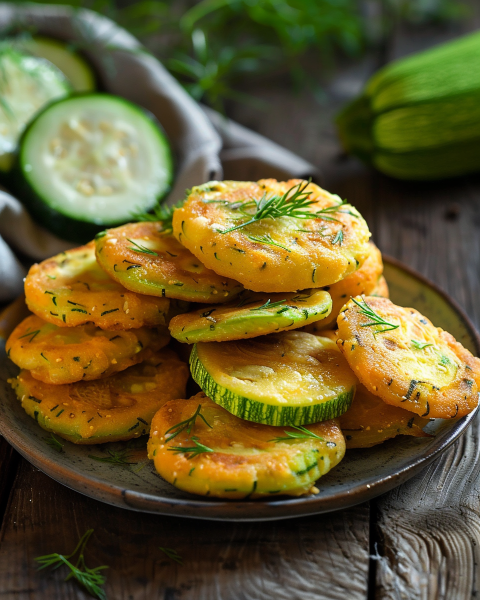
pixel 70 289
pixel 316 252
pixel 416 366
pixel 371 421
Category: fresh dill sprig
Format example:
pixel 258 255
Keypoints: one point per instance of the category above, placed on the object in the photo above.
pixel 301 434
pixel 188 424
pixel 267 239
pixel 141 249
pixel 33 335
pixel 338 238
pixel 192 450
pixel 91 579
pixel 269 304
pixel 172 554
pixel 54 443
pixel 294 203
pixel 368 311
pixel 420 345
pixel 115 457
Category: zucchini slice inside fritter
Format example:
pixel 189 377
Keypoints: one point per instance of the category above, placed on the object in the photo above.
pixel 287 378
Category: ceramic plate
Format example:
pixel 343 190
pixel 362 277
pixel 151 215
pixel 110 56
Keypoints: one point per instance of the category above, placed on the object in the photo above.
pixel 362 474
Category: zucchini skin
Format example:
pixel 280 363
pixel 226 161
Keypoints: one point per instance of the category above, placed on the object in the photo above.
pixel 64 226
pixel 259 412
pixel 418 117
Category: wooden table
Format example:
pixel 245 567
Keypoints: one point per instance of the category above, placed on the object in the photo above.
pixel 422 540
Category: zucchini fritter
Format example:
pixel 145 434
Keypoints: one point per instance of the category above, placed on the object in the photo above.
pixel 232 458
pixel 62 355
pixel 371 421
pixel 119 407
pixel 364 281
pixel 145 260
pixel 401 357
pixel 276 253
pixel 70 289
pixel 252 316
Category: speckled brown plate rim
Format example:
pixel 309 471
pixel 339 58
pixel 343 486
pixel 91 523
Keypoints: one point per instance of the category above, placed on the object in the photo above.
pixel 257 510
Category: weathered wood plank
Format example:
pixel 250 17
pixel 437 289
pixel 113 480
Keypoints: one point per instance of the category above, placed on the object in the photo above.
pixel 315 558
pixel 9 460
pixel 430 530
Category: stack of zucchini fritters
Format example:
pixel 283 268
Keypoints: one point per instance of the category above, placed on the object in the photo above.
pixel 273 268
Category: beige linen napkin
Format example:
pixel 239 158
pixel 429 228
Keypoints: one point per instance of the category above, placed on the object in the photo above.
pixel 206 145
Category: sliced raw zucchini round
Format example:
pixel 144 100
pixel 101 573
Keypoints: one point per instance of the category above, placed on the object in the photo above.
pixel 64 56
pixel 90 161
pixel 223 456
pixel 70 289
pixel 62 355
pixel 27 84
pixel 237 229
pixel 288 378
pixel 147 260
pixel 370 421
pixel 401 357
pixel 119 407
pixel 363 281
pixel 251 316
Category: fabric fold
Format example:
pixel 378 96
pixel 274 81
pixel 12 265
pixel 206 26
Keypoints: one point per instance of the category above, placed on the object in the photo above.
pixel 206 145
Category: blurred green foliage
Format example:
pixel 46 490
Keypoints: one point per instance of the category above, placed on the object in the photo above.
pixel 212 45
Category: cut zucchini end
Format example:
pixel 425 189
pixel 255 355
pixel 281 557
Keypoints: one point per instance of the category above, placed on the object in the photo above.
pixel 72 64
pixel 250 409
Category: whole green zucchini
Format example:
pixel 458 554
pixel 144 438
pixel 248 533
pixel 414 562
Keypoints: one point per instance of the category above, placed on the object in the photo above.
pixel 419 117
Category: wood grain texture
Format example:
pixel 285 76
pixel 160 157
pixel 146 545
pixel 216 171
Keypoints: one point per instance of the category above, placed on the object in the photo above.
pixel 430 530
pixel 9 461
pixel 315 558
